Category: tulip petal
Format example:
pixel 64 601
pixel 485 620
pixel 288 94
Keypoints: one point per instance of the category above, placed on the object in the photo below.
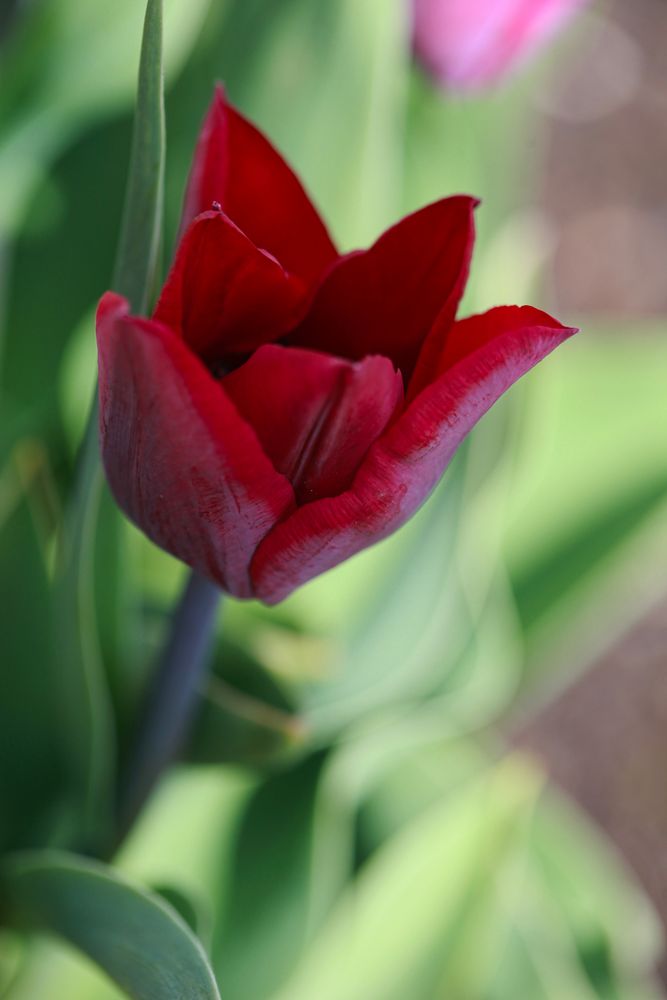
pixel 403 467
pixel 385 300
pixel 236 166
pixel 180 460
pixel 315 415
pixel 223 295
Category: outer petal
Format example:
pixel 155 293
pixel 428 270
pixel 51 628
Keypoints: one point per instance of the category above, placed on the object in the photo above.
pixel 386 299
pixel 181 462
pixel 315 415
pixel 223 295
pixel 471 43
pixel 402 468
pixel 237 166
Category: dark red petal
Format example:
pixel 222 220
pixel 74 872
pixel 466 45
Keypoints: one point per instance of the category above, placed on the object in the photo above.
pixel 223 295
pixel 445 347
pixel 385 300
pixel 236 166
pixel 403 467
pixel 181 462
pixel 475 332
pixel 315 415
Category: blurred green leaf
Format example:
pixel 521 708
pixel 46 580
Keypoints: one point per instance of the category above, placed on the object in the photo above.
pixel 87 730
pixel 90 734
pixel 188 909
pixel 419 921
pixel 614 931
pixel 187 835
pixel 267 898
pixel 455 903
pixel 9 12
pixel 397 651
pixel 233 727
pixel 411 768
pixel 11 956
pixel 73 62
pixel 387 771
pixel 544 583
pixel 585 531
pixel 31 768
pixel 50 968
pixel 136 937
pixel 248 715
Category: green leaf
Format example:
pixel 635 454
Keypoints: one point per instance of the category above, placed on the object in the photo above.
pixel 11 957
pixel 481 892
pixel 30 771
pixel 71 64
pixel 614 929
pixel 90 726
pixel 142 217
pixel 557 571
pixel 134 935
pixel 267 906
pixel 187 837
pixel 596 566
pixel 420 922
pixel 234 727
pixel 399 649
pixel 84 702
pixel 183 904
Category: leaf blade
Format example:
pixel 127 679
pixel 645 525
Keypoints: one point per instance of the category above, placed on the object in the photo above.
pixel 132 934
pixel 87 704
pixel 139 245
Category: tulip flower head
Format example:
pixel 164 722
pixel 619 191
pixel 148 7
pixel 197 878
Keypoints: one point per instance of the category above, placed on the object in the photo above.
pixel 468 44
pixel 287 406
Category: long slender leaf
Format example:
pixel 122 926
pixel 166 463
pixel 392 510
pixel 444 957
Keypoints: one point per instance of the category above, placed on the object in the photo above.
pixel 142 217
pixel 134 935
pixel 88 720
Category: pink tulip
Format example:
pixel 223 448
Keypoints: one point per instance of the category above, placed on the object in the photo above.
pixel 467 44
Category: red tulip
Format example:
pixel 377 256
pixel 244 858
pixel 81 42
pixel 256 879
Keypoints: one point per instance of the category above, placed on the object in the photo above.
pixel 285 406
pixel 473 43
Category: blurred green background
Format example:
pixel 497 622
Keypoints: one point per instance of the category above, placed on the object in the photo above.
pixel 354 820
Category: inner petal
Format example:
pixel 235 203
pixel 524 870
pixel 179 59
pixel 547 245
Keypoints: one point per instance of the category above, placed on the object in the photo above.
pixel 224 295
pixel 316 415
pixel 385 300
pixel 236 165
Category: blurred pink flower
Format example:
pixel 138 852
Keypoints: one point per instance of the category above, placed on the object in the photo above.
pixel 469 44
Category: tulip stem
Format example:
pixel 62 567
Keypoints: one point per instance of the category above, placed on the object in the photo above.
pixel 172 696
